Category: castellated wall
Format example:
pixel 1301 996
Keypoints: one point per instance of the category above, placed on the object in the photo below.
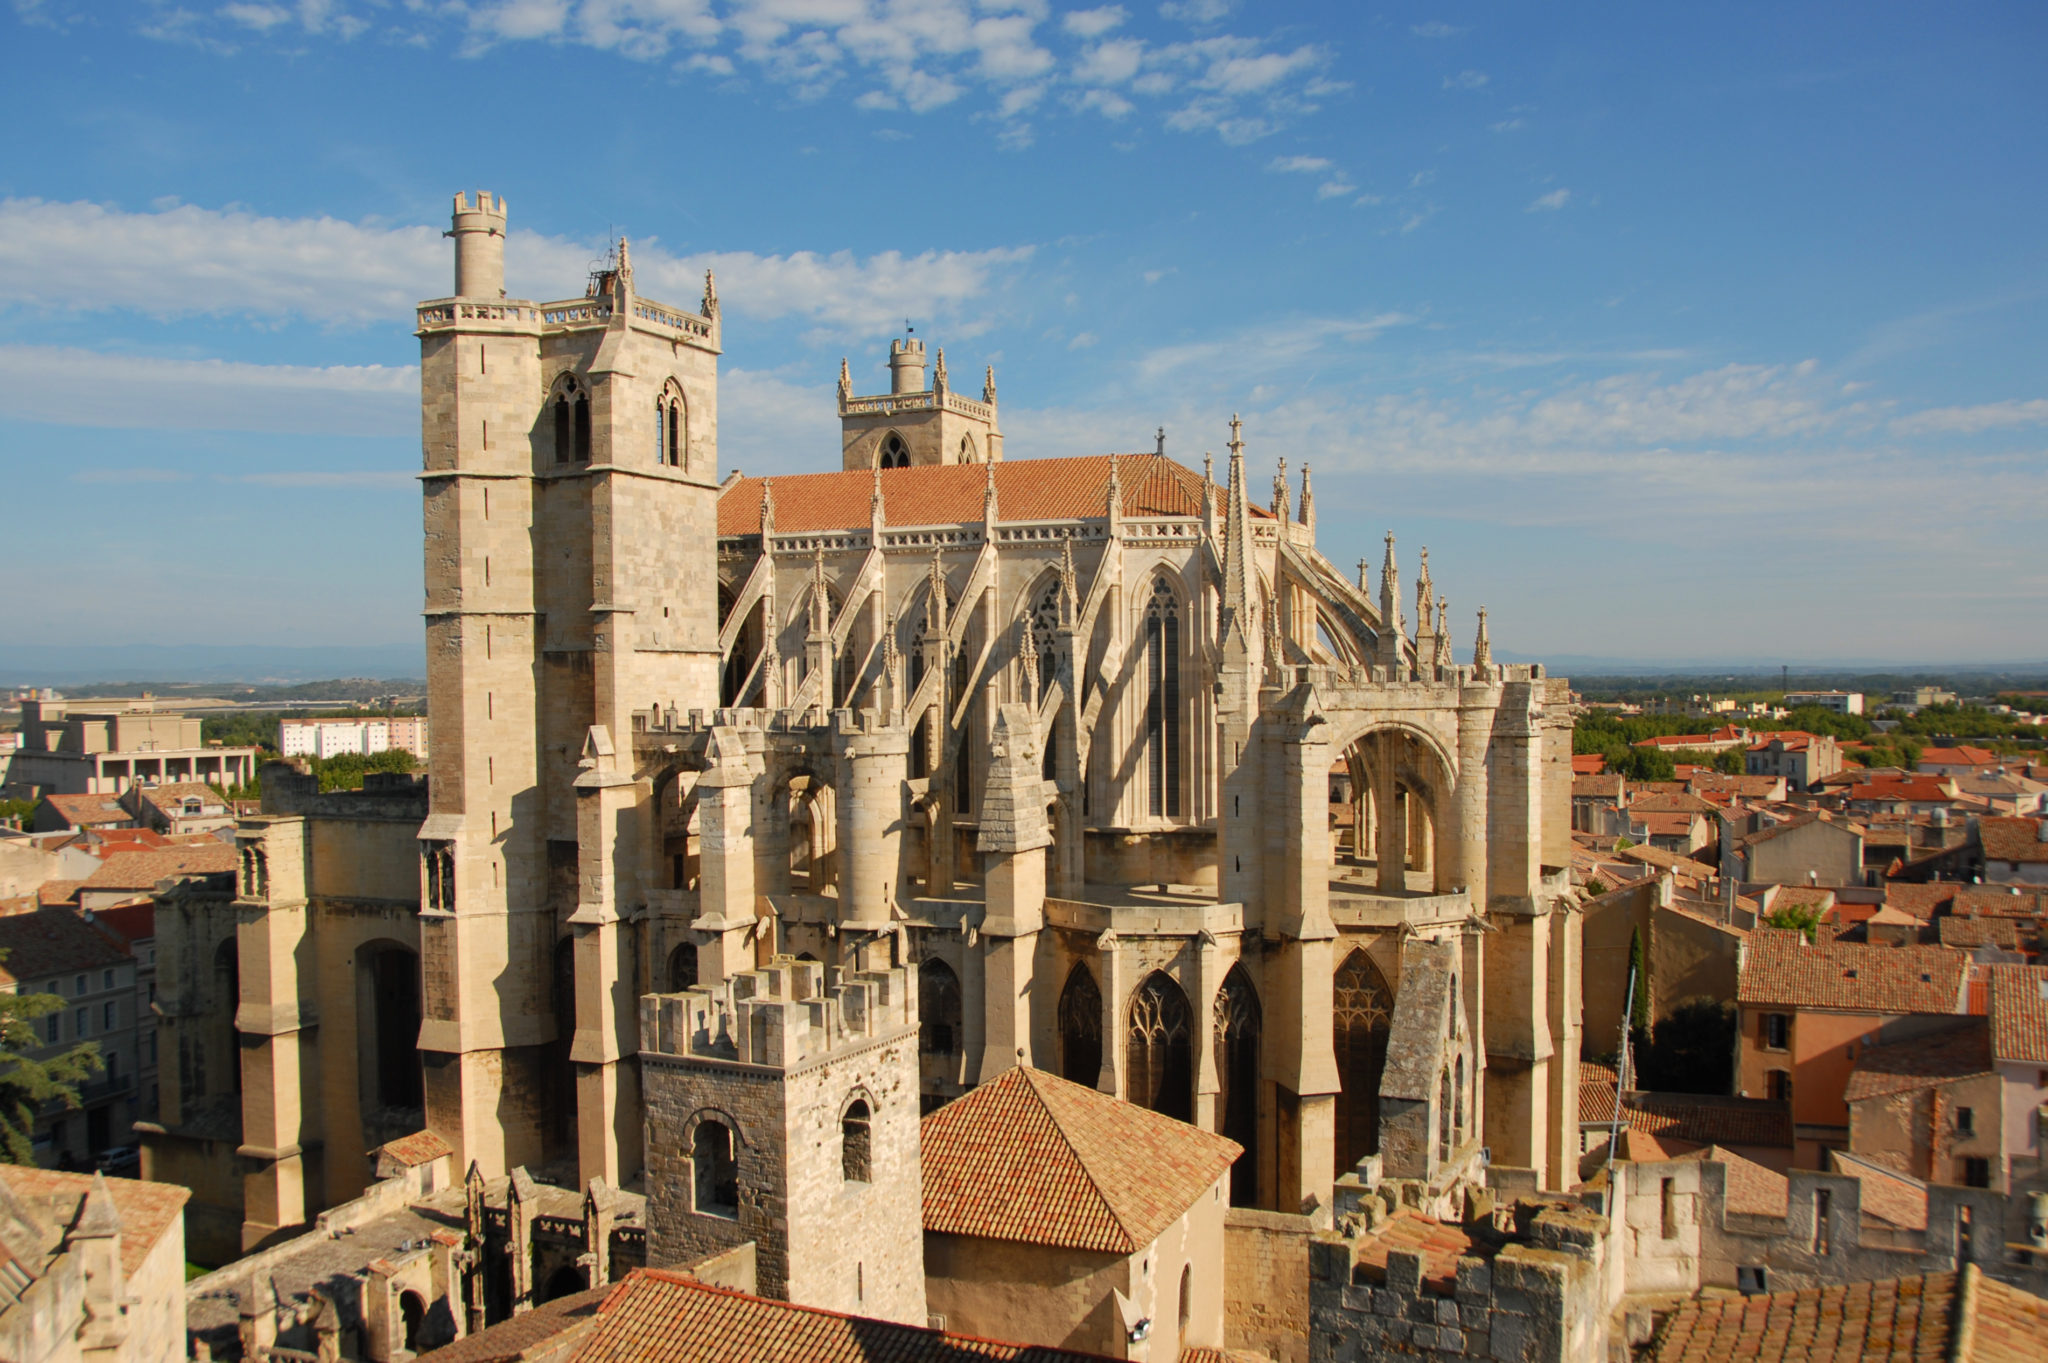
pixel 780 1055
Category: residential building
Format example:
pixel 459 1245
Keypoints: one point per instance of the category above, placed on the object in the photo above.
pixel 1809 848
pixel 1961 761
pixel 2014 850
pixel 125 876
pixel 1919 796
pixel 1801 758
pixel 1931 1107
pixel 1839 702
pixel 333 737
pixel 94 1268
pixel 2017 1000
pixel 77 748
pixel 76 813
pixel 1918 697
pixel 1720 740
pixel 179 807
pixel 57 952
pixel 1805 1008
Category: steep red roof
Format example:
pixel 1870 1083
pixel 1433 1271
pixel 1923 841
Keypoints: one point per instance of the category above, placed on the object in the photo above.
pixel 660 1317
pixel 1034 1158
pixel 2019 1012
pixel 2012 839
pixel 1074 488
pixel 1779 967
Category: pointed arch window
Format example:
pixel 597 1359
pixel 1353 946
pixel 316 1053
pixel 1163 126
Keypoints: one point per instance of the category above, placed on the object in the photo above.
pixel 1364 1009
pixel 1159 1064
pixel 968 453
pixel 1162 701
pixel 671 427
pixel 938 1008
pixel 1081 1028
pixel 895 454
pixel 571 421
pixel 1238 1027
pixel 1045 626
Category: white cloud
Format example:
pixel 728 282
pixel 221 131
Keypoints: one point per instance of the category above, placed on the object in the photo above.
pixel 1299 165
pixel 68 386
pixel 1551 202
pixel 1335 189
pixel 1108 103
pixel 1093 23
pixel 1436 28
pixel 1466 80
pixel 1082 341
pixel 916 55
pixel 1506 125
pixel 1990 416
pixel 1270 347
pixel 195 261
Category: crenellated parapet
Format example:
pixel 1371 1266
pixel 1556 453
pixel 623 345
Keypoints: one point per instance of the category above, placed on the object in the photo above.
pixel 785 1015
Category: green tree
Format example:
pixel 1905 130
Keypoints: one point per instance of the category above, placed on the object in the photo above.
pixel 1639 971
pixel 1729 762
pixel 26 1084
pixel 1803 918
pixel 345 771
pixel 1648 764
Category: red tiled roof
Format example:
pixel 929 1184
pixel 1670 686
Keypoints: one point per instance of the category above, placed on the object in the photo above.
pixel 661 1317
pixel 1708 1120
pixel 1033 1158
pixel 142 870
pixel 34 946
pixel 419 1148
pixel 1922 1062
pixel 1670 804
pixel 1603 787
pixel 1888 1196
pixel 1440 1245
pixel 55 892
pixel 83 811
pixel 2019 1012
pixel 1588 763
pixel 509 1340
pixel 1597 1086
pixel 134 922
pixel 1930 1316
pixel 146 1209
pixel 1659 825
pixel 1779 967
pixel 1075 488
pixel 1923 789
pixel 1959 757
pixel 2012 839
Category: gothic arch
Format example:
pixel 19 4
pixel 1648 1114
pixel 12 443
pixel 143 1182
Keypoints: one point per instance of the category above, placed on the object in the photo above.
pixel 569 413
pixel 682 968
pixel 892 452
pixel 1239 1025
pixel 1364 1016
pixel 1080 1022
pixel 1159 1068
pixel 969 454
pixel 1162 728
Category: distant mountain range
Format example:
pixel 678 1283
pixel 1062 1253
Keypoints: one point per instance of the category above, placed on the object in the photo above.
pixel 255 664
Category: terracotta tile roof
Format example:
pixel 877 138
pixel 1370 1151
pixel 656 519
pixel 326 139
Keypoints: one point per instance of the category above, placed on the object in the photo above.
pixel 1753 787
pixel 2019 1012
pixel 2012 839
pixel 146 1209
pixel 1922 901
pixel 35 946
pixel 417 1149
pixel 1670 804
pixel 1439 1244
pixel 55 892
pixel 1666 861
pixel 166 797
pixel 1660 825
pixel 1588 763
pixel 1034 1158
pixel 1967 1318
pixel 134 922
pixel 1640 1147
pixel 1965 756
pixel 142 870
pixel 1753 1190
pixel 509 1340
pixel 83 811
pixel 1605 787
pixel 1924 790
pixel 1074 488
pixel 660 1317
pixel 1779 967
pixel 1597 1084
pixel 2006 934
pixel 1706 1120
pixel 1922 1062
pixel 1888 1196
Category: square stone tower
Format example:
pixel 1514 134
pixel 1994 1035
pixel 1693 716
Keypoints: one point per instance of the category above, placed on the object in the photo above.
pixel 917 423
pixel 570 486
pixel 782 1108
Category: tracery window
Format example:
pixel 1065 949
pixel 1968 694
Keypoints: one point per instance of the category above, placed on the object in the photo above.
pixel 1081 1028
pixel 895 454
pixel 1045 625
pixel 571 421
pixel 1158 1049
pixel 1238 1025
pixel 1364 1015
pixel 1162 701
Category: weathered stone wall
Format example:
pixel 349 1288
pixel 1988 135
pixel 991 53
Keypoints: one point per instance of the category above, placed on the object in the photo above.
pixel 1266 1283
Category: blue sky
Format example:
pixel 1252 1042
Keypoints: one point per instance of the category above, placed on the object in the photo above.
pixel 1676 333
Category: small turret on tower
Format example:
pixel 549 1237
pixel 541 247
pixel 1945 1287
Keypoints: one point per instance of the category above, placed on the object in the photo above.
pixel 479 232
pixel 906 366
pixel 920 421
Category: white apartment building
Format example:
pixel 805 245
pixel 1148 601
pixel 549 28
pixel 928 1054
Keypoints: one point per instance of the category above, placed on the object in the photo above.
pixel 332 737
pixel 1840 702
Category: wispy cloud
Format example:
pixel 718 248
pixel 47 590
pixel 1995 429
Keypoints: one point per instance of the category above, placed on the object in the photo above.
pixel 1551 202
pixel 187 261
pixel 917 56
pixel 1990 416
pixel 1269 347
pixel 1467 80
pixel 1437 28
pixel 1299 165
pixel 69 386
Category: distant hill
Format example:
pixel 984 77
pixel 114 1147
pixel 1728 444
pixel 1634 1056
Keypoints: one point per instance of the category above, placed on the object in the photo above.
pixel 254 664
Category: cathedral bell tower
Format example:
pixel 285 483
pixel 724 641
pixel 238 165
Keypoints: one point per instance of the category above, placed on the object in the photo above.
pixel 917 422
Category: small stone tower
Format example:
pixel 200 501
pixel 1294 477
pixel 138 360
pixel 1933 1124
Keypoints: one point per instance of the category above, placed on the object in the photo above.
pixel 782 1108
pixel 917 422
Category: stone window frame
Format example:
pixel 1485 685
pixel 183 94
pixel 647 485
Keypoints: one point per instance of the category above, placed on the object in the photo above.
pixel 857 1163
pixel 671 426
pixel 688 1143
pixel 896 458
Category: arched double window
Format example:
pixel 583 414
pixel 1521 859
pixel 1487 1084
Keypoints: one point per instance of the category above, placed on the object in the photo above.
pixel 572 421
pixel 671 429
pixel 894 454
pixel 1162 701
pixel 968 453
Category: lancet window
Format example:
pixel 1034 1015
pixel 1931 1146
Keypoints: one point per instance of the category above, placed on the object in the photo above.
pixel 1162 701
pixel 1081 1028
pixel 1159 1064
pixel 1364 1008
pixel 1238 1025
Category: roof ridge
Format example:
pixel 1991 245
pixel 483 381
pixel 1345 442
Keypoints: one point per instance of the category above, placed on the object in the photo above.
pixel 1115 1213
